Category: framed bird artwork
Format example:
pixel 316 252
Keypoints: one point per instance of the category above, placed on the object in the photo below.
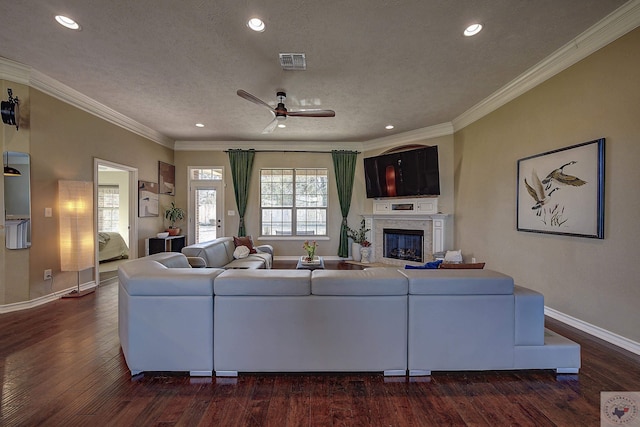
pixel 562 191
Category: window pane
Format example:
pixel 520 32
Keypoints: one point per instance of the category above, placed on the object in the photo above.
pixel 311 222
pixel 294 199
pixel 198 174
pixel 108 208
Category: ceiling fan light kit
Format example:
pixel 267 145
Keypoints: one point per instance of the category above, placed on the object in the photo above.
pixel 280 113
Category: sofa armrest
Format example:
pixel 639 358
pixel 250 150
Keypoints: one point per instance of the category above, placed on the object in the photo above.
pixel 264 248
pixel 196 262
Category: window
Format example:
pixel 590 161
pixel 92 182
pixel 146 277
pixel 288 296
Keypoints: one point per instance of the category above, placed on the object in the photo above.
pixel 205 174
pixel 293 202
pixel 108 208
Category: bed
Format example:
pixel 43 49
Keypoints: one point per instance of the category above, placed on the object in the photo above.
pixel 111 246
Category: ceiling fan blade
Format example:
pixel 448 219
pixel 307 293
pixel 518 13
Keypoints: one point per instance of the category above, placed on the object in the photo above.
pixel 271 126
pixel 312 113
pixel 246 95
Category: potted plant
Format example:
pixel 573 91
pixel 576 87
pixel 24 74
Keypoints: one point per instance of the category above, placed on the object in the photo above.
pixel 310 249
pixel 174 214
pixel 358 236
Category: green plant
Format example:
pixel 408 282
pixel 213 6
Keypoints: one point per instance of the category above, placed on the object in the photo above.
pixel 174 214
pixel 359 235
pixel 310 248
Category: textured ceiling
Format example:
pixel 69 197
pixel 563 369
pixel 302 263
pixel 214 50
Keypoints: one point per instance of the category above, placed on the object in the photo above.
pixel 171 64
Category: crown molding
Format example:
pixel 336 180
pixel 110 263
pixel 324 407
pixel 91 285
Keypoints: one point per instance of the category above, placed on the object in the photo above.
pixel 71 96
pixel 416 135
pixel 16 72
pixel 267 145
pixel 613 26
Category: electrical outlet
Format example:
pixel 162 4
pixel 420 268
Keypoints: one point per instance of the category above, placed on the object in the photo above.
pixel 47 274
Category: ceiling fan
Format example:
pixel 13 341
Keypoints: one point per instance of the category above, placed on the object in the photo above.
pixel 280 113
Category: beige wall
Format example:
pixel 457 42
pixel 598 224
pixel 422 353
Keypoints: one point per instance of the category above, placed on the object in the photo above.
pixel 63 142
pixel 14 283
pixel 593 280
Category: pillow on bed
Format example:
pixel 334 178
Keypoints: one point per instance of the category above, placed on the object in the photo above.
pixel 245 241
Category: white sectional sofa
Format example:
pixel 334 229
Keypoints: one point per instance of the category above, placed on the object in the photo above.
pixel 173 318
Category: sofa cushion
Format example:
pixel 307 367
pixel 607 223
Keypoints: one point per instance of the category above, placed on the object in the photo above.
pixel 458 282
pixel 214 253
pixel 244 241
pixel 263 282
pixel 248 262
pixel 372 281
pixel 148 277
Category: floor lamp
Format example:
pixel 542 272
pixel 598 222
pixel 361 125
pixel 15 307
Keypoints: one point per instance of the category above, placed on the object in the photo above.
pixel 75 200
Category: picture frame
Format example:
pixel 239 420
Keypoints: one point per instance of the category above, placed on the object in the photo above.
pixel 147 199
pixel 166 178
pixel 562 191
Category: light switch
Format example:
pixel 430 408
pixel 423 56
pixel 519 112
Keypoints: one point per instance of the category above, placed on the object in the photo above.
pixel 231 213
pixel 47 212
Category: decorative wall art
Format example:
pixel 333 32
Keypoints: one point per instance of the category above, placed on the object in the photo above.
pixel 167 178
pixel 147 199
pixel 562 191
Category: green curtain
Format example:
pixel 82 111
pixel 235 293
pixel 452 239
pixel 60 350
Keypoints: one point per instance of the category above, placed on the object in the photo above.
pixel 241 163
pixel 344 164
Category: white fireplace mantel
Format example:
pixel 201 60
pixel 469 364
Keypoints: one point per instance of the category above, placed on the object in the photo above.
pixel 409 214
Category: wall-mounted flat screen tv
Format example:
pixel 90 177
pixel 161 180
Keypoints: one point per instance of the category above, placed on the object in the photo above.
pixel 403 174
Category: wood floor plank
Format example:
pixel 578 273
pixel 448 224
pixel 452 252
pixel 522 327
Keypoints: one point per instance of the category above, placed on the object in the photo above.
pixel 61 364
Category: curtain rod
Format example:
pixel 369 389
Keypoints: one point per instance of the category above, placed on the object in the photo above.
pixel 295 151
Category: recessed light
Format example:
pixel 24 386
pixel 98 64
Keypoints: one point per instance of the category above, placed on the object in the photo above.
pixel 389 127
pixel 472 30
pixel 282 125
pixel 67 22
pixel 199 125
pixel 256 24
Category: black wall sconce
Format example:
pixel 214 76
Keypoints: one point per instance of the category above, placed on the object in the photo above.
pixel 11 110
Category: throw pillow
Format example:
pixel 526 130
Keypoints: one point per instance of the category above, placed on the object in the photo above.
pixel 432 265
pixel 245 241
pixel 241 252
pixel 453 256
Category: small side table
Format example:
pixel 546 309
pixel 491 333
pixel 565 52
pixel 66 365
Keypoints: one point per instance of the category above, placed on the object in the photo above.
pixel 315 266
pixel 167 244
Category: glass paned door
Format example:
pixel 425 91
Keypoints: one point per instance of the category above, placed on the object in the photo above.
pixel 206 213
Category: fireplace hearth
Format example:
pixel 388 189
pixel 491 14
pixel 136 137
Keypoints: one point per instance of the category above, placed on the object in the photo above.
pixel 402 244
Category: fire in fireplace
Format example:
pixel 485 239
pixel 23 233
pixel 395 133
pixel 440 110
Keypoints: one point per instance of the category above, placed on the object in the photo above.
pixel 403 244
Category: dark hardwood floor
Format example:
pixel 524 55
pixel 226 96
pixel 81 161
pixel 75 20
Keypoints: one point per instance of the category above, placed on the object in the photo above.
pixel 61 365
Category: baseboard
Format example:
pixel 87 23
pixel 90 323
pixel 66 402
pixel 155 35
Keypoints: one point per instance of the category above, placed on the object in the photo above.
pixel 23 305
pixel 594 330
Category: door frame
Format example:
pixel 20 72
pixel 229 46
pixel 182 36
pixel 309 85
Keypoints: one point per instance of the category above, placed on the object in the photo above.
pixel 133 208
pixel 204 183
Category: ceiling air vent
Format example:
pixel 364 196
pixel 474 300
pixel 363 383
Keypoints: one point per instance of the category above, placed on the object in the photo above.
pixel 293 61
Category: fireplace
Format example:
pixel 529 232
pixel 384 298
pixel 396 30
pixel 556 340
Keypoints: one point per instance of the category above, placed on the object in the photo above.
pixel 402 244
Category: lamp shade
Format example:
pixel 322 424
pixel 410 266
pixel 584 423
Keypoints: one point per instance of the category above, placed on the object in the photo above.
pixel 75 200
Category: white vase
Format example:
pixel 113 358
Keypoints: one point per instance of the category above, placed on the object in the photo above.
pixel 365 253
pixel 355 251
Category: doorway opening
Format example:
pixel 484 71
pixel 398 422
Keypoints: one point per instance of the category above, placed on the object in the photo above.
pixel 115 215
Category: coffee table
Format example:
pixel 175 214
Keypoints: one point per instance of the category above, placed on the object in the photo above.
pixel 317 265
